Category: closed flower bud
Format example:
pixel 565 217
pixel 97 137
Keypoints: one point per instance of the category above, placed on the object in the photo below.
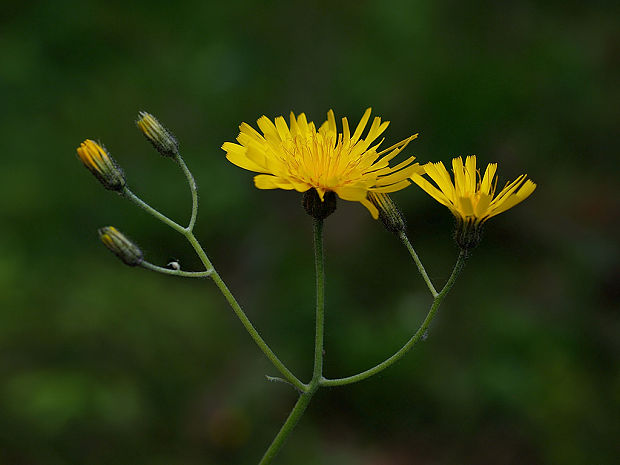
pixel 120 246
pixel 99 162
pixel 162 139
pixel 388 212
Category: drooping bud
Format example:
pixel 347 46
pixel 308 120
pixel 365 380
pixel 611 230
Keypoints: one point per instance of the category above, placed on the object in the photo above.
pixel 467 233
pixel 317 208
pixel 155 132
pixel 389 214
pixel 99 162
pixel 120 245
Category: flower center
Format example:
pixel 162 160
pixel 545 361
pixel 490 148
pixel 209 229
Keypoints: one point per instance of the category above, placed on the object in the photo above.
pixel 321 160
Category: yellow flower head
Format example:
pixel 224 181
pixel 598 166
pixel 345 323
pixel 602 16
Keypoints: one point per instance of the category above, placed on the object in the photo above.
pixel 99 162
pixel 298 156
pixel 471 197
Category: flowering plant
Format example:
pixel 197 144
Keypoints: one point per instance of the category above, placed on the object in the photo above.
pixel 323 164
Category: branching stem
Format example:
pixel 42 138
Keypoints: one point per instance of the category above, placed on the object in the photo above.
pixel 214 275
pixel 307 391
pixel 460 262
pixel 184 274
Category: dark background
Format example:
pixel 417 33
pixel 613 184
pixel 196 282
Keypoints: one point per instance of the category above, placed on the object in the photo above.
pixel 104 364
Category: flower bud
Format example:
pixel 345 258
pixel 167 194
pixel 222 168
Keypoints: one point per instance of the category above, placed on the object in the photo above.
pixel 162 139
pixel 317 208
pixel 388 212
pixel 99 162
pixel 120 246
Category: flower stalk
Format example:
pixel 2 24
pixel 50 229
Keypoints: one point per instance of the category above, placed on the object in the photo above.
pixel 419 334
pixel 181 273
pixel 317 372
pixel 416 259
pixel 215 277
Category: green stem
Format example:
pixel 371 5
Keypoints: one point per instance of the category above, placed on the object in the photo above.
pixel 185 274
pixel 189 235
pixel 416 259
pixel 413 341
pixel 151 211
pixel 193 188
pixel 319 266
pixel 287 427
pixel 317 374
pixel 245 321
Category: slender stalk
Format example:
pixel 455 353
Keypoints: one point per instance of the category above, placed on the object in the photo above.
pixel 413 341
pixel 317 374
pixel 151 211
pixel 185 274
pixel 245 321
pixel 193 188
pixel 287 427
pixel 319 266
pixel 416 259
pixel 189 235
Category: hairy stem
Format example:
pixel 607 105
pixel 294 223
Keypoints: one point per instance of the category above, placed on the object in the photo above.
pixel 414 339
pixel 287 427
pixel 245 321
pixel 185 274
pixel 193 188
pixel 151 211
pixel 319 265
pixel 189 235
pixel 416 259
pixel 317 373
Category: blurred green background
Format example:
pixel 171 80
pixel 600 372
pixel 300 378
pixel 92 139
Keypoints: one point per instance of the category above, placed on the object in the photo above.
pixel 104 364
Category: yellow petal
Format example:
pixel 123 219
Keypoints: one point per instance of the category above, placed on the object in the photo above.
pixel 465 206
pixel 236 154
pixel 439 174
pixel 346 134
pixel 487 180
pixel 393 187
pixel 356 194
pixel 266 181
pixel 282 128
pixel 293 124
pixel 397 176
pixel 360 127
pixel 431 190
pixel 470 173
pixel 480 210
pixel 331 122
pixel 371 208
pixel 524 192
pixel 459 176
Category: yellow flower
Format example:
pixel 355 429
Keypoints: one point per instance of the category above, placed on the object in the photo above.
pixel 471 198
pixel 99 162
pixel 300 157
